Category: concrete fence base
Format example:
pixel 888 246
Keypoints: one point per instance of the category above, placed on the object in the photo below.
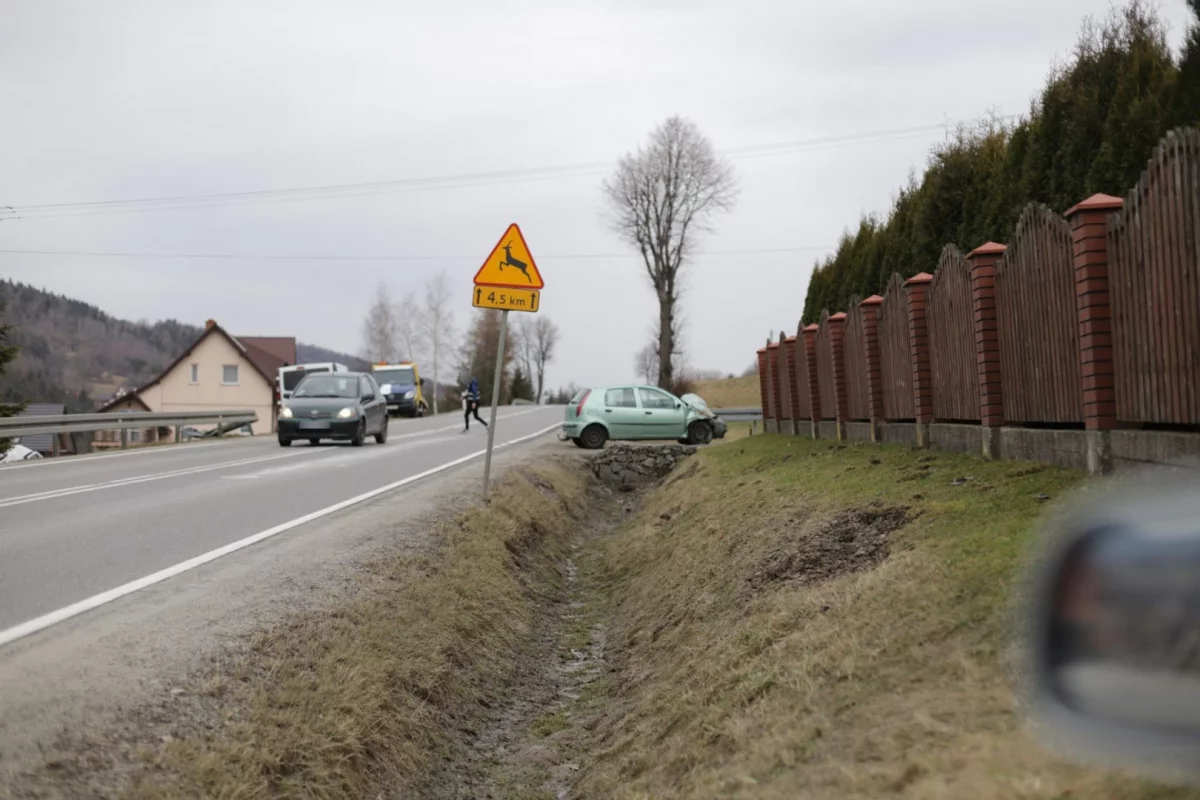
pixel 1099 452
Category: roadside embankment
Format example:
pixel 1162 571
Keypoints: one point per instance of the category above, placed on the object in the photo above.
pixel 788 618
pixel 773 617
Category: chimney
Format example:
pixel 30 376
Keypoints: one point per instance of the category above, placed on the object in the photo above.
pixel 210 323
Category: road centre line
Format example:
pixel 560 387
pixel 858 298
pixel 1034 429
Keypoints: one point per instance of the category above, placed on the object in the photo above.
pixel 95 601
pixel 169 448
pixel 156 476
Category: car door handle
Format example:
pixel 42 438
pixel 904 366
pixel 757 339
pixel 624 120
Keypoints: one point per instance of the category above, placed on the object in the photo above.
pixel 649 413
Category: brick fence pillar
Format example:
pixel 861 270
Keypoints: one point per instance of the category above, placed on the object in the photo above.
pixel 870 317
pixel 794 387
pixel 784 414
pixel 771 422
pixel 814 386
pixel 917 289
pixel 837 338
pixel 983 260
pixel 1089 239
pixel 764 385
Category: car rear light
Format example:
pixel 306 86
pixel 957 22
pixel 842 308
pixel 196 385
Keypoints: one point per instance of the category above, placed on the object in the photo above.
pixel 579 408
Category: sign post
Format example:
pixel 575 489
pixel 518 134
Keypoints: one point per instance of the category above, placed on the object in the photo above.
pixel 517 289
pixel 487 460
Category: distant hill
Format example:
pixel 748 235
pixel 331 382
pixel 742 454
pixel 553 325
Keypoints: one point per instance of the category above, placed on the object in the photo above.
pixel 74 353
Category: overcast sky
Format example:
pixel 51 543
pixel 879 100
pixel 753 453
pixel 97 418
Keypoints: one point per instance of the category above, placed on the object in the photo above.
pixel 119 99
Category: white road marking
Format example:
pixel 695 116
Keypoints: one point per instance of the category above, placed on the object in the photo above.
pixel 157 476
pixel 172 448
pixel 95 601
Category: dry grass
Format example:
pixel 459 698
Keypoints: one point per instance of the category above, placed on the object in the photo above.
pixel 377 697
pixel 882 682
pixel 730 392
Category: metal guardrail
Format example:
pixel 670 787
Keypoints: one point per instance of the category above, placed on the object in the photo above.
pixel 14 427
pixel 739 414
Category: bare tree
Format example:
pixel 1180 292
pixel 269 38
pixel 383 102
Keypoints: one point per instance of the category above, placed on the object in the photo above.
pixel 379 327
pixel 645 363
pixel 543 340
pixel 439 323
pixel 523 336
pixel 661 196
pixel 410 327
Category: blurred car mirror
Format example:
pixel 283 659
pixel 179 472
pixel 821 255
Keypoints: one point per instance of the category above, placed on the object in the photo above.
pixel 1114 633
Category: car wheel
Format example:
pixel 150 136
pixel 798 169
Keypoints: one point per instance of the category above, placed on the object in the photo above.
pixel 360 435
pixel 284 441
pixel 593 437
pixel 314 442
pixel 578 442
pixel 381 437
pixel 700 432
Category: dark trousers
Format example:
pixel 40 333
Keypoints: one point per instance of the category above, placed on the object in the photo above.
pixel 472 408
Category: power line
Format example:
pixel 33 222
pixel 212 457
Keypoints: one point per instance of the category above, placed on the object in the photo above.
pixel 291 257
pixel 88 208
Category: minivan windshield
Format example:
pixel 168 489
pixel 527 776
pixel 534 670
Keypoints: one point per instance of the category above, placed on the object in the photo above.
pixel 328 386
pixel 401 376
pixel 292 378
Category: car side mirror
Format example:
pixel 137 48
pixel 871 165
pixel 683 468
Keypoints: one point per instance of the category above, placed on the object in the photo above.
pixel 1114 633
pixel 366 398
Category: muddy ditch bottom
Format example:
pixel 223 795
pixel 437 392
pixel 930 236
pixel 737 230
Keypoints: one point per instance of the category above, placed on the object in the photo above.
pixel 534 746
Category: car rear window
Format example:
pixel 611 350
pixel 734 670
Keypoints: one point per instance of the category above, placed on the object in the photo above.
pixel 620 398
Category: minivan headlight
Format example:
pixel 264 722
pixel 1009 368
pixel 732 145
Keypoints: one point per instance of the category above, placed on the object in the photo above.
pixel 286 413
pixel 347 412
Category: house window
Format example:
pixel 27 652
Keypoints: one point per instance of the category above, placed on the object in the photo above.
pixel 229 374
pixel 195 374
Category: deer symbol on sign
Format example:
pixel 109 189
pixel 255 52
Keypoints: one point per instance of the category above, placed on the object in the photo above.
pixel 509 261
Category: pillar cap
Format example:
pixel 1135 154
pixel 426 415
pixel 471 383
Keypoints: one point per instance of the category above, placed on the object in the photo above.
pixel 873 300
pixel 988 249
pixel 838 317
pixel 761 350
pixel 812 328
pixel 920 277
pixel 790 339
pixel 772 345
pixel 1097 202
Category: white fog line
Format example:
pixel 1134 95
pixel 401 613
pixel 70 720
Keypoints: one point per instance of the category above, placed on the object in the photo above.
pixel 157 476
pixel 95 601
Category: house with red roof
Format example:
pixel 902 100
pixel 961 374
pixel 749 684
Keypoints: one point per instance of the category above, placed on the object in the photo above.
pixel 219 371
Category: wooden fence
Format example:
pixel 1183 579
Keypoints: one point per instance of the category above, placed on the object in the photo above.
pixel 895 353
pixel 825 370
pixel 952 353
pixel 1039 336
pixel 854 354
pixel 1090 319
pixel 1154 264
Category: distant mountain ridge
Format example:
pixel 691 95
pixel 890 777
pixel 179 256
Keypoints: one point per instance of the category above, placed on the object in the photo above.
pixel 74 353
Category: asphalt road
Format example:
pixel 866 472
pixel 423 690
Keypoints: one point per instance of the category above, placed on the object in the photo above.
pixel 73 530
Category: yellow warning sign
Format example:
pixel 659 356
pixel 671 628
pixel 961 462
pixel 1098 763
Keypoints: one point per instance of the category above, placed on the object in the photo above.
pixel 505 299
pixel 510 266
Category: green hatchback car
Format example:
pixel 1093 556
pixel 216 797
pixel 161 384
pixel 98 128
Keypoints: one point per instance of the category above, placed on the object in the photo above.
pixel 638 412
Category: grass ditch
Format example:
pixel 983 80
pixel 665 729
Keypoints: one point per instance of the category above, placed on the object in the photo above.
pixel 375 698
pixel 778 618
pixel 798 619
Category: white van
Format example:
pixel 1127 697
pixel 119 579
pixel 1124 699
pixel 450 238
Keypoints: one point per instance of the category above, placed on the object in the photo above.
pixel 290 377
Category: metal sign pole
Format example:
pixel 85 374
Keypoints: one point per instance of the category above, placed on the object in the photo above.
pixel 487 461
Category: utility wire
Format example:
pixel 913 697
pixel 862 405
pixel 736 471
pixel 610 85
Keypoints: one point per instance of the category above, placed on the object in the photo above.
pixel 88 208
pixel 288 257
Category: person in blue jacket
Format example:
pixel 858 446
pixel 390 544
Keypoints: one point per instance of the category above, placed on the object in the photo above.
pixel 471 399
